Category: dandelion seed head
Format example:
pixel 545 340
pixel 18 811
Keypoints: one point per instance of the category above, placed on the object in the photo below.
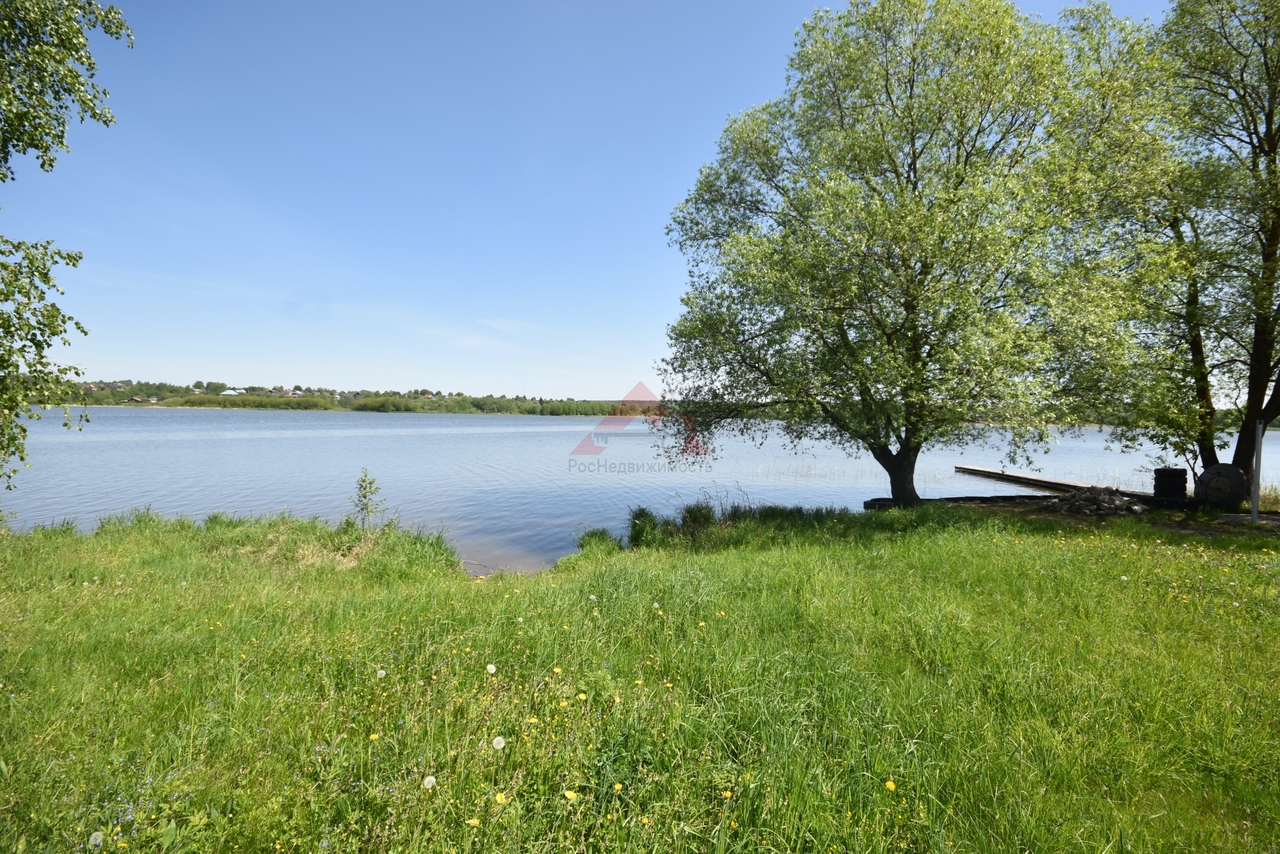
pixel 499 743
pixel 428 782
pixel 492 670
pixel 592 597
pixel 382 674
pixel 95 839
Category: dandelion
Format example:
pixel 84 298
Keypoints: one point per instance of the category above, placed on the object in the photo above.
pixel 382 674
pixel 655 606
pixel 373 736
pixel 556 670
pixel 727 794
pixel 570 795
pixel 500 799
pixel 644 820
pixel 519 619
pixel 474 822
pixel 95 839
pixel 492 670
pixel 617 787
pixel 888 784
pixel 532 720
pixel 428 782
pixel 499 743
pixel 582 696
pixel 592 597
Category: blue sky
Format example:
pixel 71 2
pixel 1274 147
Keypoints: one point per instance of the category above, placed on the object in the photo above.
pixel 459 196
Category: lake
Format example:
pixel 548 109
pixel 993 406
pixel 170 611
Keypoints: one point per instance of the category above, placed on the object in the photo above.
pixel 508 490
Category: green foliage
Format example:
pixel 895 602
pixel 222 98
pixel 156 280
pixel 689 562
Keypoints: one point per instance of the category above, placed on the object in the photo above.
pixel 215 686
pixel 598 540
pixel 365 501
pixel 645 529
pixel 47 76
pixel 251 401
pixel 30 325
pixel 866 252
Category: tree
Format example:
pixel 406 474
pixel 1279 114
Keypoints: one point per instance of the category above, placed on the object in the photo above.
pixel 866 253
pixel 47 75
pixel 1193 222
pixel 1215 225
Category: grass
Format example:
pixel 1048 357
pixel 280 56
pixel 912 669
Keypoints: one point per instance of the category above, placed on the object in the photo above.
pixel 928 680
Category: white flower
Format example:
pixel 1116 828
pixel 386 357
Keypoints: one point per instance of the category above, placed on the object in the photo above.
pixel 95 839
pixel 592 597
pixel 492 670
pixel 655 604
pixel 429 782
pixel 381 673
pixel 499 743
pixel 519 619
pixel 1124 578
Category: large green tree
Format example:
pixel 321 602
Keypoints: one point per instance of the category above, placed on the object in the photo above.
pixel 869 253
pixel 47 76
pixel 1192 221
pixel 1220 220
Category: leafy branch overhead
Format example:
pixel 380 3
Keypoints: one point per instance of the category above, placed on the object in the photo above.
pixel 46 77
pixel 48 74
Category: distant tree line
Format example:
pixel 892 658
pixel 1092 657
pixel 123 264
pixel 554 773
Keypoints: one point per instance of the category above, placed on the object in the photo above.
pixel 210 394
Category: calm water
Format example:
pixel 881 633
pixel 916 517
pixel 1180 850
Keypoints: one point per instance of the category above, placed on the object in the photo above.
pixel 507 489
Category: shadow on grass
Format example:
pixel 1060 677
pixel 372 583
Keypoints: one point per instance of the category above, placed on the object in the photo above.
pixel 702 527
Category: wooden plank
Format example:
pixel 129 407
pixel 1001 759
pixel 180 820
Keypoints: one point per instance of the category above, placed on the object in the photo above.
pixel 1048 484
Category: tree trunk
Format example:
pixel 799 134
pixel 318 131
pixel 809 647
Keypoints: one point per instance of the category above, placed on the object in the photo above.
pixel 901 468
pixel 1206 412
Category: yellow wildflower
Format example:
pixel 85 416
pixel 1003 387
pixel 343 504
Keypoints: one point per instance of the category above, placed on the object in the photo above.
pixel 373 737
pixel 500 798
pixel 570 795
pixel 888 784
pixel 617 787
pixel 474 822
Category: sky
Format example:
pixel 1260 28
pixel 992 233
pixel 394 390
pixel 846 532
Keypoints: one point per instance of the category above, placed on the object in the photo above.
pixel 397 194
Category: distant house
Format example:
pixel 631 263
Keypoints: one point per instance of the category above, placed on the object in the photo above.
pixel 89 387
pixel 228 393
pixel 114 386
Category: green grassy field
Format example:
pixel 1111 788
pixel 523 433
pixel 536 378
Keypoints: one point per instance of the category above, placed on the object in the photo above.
pixel 933 680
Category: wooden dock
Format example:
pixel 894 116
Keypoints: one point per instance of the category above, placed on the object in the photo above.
pixel 1048 484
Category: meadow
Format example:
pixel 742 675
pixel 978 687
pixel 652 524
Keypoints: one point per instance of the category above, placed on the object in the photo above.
pixel 938 679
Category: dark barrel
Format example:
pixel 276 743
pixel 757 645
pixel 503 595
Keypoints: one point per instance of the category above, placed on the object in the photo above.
pixel 1170 484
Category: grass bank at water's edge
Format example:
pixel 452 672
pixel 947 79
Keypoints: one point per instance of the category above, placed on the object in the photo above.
pixel 932 680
